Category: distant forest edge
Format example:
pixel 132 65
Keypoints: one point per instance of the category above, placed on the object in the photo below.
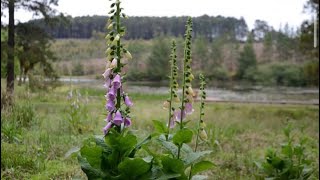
pixel 149 27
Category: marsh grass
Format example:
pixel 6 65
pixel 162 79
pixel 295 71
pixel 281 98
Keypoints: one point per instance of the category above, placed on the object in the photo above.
pixel 238 134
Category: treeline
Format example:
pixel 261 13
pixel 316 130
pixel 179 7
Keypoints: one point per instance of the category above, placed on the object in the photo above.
pixel 149 27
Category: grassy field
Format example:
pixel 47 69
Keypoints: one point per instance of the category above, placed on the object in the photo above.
pixel 38 132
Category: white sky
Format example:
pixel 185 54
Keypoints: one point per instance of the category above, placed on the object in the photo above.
pixel 275 12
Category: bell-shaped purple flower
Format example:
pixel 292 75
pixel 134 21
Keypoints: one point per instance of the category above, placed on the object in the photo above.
pixel 109 117
pixel 110 105
pixel 127 121
pixel 116 82
pixel 188 108
pixel 172 122
pixel 107 83
pixel 107 127
pixel 177 114
pixel 127 101
pixel 111 94
pixel 106 73
pixel 118 118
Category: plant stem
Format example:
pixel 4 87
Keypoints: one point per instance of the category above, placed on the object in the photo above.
pixel 183 90
pixel 170 103
pixel 197 139
pixel 118 105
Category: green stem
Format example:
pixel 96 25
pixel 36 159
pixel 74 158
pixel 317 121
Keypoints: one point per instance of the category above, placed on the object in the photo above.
pixel 183 92
pixel 197 139
pixel 118 105
pixel 170 103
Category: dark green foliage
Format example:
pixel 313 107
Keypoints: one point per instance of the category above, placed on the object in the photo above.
pixel 247 59
pixel 292 162
pixel 78 69
pixel 158 64
pixel 150 27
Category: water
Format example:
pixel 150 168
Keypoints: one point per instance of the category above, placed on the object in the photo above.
pixel 234 93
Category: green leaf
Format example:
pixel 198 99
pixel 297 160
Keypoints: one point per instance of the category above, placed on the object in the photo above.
pixel 91 172
pixel 168 176
pixel 169 146
pixel 134 167
pixel 201 166
pixel 71 152
pixel 92 153
pixel 194 156
pixel 159 126
pixel 138 146
pixel 182 136
pixel 171 165
pixel 124 144
pixel 199 177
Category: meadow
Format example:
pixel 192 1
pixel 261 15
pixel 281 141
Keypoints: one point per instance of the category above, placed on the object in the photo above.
pixel 43 128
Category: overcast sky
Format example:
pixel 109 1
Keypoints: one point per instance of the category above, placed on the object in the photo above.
pixel 275 12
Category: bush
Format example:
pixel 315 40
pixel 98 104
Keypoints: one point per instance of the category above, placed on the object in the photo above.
pixel 280 74
pixel 78 69
pixel 311 73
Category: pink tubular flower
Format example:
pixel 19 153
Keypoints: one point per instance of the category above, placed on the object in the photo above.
pixel 106 73
pixel 109 117
pixel 127 101
pixel 111 94
pixel 110 105
pixel 172 122
pixel 127 121
pixel 107 127
pixel 118 118
pixel 116 82
pixel 177 114
pixel 188 108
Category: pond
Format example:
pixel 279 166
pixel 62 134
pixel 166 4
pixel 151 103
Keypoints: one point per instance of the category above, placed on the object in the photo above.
pixel 231 93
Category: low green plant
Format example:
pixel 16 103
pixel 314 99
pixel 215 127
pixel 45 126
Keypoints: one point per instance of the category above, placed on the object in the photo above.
pixel 14 118
pixel 292 162
pixel 76 112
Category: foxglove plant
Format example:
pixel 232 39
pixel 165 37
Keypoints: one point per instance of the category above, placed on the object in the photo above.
pixel 112 156
pixel 173 89
pixel 116 116
pixel 182 160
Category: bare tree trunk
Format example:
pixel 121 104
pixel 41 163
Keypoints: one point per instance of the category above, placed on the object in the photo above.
pixel 10 63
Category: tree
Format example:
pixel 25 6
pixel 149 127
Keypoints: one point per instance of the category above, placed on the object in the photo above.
pixel 307 31
pixel 33 47
pixel 37 7
pixel 247 60
pixel 158 61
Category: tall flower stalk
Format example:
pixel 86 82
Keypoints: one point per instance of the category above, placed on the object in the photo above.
pixel 173 88
pixel 201 132
pixel 117 116
pixel 187 92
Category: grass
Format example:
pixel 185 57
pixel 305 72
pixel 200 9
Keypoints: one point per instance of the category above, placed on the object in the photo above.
pixel 238 133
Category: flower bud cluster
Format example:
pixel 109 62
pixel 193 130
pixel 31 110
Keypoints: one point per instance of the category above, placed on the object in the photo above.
pixel 202 132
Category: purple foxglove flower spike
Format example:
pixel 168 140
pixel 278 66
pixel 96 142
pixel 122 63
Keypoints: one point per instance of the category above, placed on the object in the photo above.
pixel 107 127
pixel 116 82
pixel 127 121
pixel 127 101
pixel 118 118
pixel 188 108
pixel 110 105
